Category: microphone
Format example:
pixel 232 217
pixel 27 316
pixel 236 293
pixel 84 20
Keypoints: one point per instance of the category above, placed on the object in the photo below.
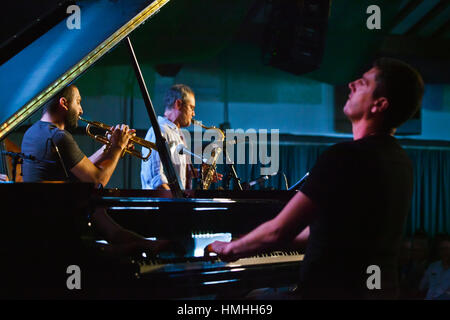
pixel 181 149
pixel 248 185
pixel 20 155
pixel 259 180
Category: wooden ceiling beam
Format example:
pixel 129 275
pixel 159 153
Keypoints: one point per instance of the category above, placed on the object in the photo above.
pixel 406 11
pixel 441 6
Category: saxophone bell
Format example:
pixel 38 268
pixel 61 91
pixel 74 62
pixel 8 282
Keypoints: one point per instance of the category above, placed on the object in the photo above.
pixel 208 175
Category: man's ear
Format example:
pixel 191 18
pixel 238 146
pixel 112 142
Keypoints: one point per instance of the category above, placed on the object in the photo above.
pixel 63 103
pixel 380 105
pixel 178 104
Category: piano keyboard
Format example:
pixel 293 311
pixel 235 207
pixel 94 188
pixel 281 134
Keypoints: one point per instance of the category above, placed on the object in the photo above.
pixel 207 263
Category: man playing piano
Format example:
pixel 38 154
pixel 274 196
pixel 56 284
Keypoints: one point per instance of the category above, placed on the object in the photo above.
pixel 48 140
pixel 353 205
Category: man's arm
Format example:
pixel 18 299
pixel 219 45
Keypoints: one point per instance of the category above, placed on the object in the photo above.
pixel 122 241
pixel 98 156
pixel 101 169
pixel 280 231
pixel 301 240
pixel 163 186
pixel 109 229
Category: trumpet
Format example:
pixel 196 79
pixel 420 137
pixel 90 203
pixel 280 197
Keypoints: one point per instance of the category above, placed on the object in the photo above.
pixel 103 139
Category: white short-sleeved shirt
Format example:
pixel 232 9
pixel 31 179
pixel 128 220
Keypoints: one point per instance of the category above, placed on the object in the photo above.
pixel 152 173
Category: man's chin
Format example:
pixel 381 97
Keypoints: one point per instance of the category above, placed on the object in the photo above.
pixel 346 109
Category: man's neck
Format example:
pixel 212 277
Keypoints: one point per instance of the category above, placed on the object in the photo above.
pixel 49 118
pixel 362 129
pixel 172 116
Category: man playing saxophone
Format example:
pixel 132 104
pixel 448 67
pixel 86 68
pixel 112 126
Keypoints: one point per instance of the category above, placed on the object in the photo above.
pixel 179 104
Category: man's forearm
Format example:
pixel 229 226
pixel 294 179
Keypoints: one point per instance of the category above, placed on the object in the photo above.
pixel 260 239
pixel 109 229
pixel 276 233
pixel 98 156
pixel 163 186
pixel 301 240
pixel 107 164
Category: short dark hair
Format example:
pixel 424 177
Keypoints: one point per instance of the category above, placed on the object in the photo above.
pixel 402 86
pixel 52 105
pixel 177 91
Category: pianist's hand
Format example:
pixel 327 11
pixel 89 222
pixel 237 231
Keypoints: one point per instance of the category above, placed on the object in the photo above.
pixel 157 247
pixel 3 177
pixel 222 249
pixel 152 248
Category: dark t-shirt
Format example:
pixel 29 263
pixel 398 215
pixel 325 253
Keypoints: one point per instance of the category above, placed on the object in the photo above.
pixel 363 189
pixel 37 142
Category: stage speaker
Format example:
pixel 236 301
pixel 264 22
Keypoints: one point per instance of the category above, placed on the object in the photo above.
pixel 294 34
pixel 342 124
pixel 169 69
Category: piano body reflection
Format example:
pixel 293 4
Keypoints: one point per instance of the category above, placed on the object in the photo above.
pixel 41 241
pixel 195 222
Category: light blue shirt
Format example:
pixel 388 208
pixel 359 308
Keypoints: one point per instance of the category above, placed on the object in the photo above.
pixel 152 173
pixel 437 280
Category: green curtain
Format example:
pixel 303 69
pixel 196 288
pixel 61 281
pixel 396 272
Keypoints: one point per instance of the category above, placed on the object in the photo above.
pixel 430 207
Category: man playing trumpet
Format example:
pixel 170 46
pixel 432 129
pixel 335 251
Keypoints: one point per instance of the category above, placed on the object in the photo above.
pixel 49 141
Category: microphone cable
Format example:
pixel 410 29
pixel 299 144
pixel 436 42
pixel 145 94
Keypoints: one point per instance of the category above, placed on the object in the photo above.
pixel 55 147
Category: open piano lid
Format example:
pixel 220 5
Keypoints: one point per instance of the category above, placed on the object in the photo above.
pixel 55 59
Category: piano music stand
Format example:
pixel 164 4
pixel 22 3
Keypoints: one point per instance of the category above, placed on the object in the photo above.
pixel 163 147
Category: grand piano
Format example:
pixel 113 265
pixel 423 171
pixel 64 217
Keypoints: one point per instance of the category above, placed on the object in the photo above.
pixel 46 225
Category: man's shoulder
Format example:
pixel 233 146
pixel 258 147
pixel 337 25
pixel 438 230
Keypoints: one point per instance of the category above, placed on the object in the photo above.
pixel 59 135
pixel 436 265
pixel 163 126
pixel 40 129
pixel 365 146
pixel 340 149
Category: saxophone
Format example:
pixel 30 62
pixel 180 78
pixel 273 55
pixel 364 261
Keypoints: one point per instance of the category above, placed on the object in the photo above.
pixel 210 172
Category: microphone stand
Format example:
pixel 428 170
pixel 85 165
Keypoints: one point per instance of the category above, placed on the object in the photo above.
pixel 231 172
pixel 17 158
pixel 299 183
